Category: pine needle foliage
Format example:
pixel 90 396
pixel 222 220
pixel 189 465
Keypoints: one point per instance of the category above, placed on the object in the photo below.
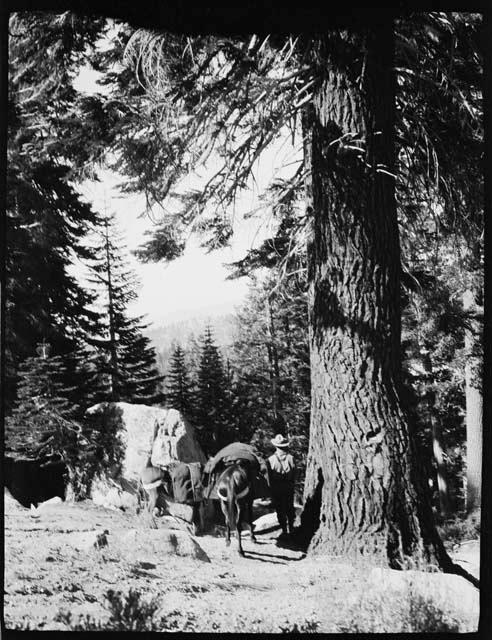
pixel 127 361
pixel 42 424
pixel 212 410
pixel 179 389
pixel 212 101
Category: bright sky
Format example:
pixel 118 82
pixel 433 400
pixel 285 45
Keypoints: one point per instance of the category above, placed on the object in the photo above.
pixel 193 285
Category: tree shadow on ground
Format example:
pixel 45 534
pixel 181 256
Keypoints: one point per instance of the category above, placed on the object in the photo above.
pixel 275 527
pixel 256 555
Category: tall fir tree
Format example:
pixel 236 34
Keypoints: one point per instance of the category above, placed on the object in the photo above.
pixel 179 389
pixel 47 222
pixel 46 228
pixel 128 362
pixel 213 413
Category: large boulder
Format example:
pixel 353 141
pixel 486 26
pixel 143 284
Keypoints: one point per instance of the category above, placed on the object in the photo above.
pixel 137 426
pixel 108 492
pixel 163 434
pixel 175 440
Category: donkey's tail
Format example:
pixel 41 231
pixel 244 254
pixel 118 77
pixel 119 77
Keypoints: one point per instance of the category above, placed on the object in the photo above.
pixel 226 494
pixel 237 488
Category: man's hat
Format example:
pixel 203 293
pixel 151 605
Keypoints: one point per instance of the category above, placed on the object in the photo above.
pixel 280 441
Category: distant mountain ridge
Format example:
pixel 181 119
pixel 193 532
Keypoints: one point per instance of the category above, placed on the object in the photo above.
pixel 182 332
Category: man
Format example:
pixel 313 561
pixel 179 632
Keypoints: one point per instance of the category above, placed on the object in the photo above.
pixel 281 469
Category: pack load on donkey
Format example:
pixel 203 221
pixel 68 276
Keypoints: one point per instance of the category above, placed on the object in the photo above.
pixel 176 491
pixel 180 482
pixel 231 454
pixel 186 481
pixel 174 468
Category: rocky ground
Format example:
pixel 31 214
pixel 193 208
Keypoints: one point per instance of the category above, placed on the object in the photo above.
pixel 61 560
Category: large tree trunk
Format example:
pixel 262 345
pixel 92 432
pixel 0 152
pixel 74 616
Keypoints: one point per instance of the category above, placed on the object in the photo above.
pixel 474 407
pixel 361 491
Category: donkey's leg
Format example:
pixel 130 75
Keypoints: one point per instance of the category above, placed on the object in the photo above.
pixel 195 519
pixel 201 517
pixel 152 506
pixel 250 520
pixel 223 506
pixel 240 516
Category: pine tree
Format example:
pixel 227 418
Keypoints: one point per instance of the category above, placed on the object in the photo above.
pixel 434 327
pixel 47 222
pixel 268 390
pixel 213 413
pixel 128 362
pixel 46 228
pixel 42 421
pixel 85 366
pixel 179 393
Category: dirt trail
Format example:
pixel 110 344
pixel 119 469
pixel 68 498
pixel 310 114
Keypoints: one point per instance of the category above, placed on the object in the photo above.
pixel 52 566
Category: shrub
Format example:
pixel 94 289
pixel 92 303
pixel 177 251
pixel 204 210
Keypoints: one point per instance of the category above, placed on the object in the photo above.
pixel 424 616
pixel 308 626
pixel 457 530
pixel 127 613
pixel 105 452
pixel 407 612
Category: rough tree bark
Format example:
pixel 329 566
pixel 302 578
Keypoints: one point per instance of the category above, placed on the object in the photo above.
pixel 474 408
pixel 362 491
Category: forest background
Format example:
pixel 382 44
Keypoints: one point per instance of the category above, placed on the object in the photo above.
pixel 65 350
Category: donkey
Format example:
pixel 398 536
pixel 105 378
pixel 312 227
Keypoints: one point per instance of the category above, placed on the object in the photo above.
pixel 236 500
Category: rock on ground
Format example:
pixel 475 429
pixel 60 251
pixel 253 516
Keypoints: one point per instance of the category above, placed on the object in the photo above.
pixel 450 592
pixel 157 542
pixel 467 555
pixel 88 540
pixel 105 493
pixel 266 523
pixel 47 503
